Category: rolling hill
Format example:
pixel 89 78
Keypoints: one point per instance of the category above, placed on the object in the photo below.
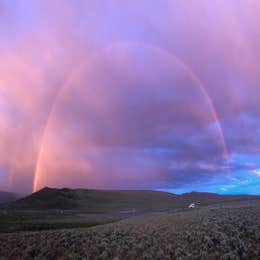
pixel 6 197
pixel 117 200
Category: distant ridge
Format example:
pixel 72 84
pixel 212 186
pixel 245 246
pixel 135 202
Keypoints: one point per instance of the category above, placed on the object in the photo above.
pixel 115 200
pixel 6 197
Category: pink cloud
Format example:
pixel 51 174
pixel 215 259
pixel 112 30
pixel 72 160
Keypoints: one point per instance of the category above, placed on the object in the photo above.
pixel 90 86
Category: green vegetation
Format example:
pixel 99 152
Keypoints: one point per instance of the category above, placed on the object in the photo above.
pixel 59 224
pixel 14 221
pixel 230 232
pixel 116 200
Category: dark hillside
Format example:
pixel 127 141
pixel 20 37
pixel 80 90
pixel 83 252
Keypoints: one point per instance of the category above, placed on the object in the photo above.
pixel 8 196
pixel 116 200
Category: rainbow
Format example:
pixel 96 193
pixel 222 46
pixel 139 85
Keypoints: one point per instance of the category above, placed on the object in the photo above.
pixel 33 77
pixel 174 59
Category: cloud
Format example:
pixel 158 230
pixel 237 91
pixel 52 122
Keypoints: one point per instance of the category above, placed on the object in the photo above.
pixel 139 94
pixel 256 173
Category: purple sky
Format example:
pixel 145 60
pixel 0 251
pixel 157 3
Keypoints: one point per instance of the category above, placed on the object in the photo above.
pixel 130 95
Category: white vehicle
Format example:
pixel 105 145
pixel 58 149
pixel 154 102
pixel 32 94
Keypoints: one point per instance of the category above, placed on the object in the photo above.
pixel 192 206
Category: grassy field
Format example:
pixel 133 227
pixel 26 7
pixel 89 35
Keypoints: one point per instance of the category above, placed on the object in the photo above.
pixel 32 220
pixel 228 231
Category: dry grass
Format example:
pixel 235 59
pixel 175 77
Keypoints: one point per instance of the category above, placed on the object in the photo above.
pixel 222 233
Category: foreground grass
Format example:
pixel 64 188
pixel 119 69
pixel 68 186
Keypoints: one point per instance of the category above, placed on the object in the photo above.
pixel 17 221
pixel 219 233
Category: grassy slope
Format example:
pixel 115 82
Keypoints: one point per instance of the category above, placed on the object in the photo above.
pixel 32 220
pixel 94 200
pixel 116 200
pixel 223 233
